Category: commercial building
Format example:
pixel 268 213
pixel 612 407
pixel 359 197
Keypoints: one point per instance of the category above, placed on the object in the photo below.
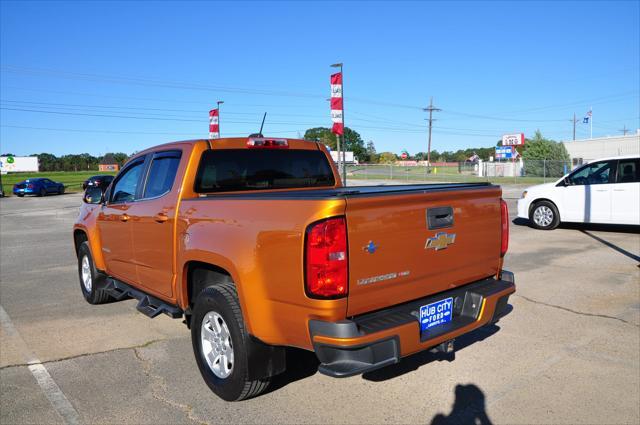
pixel 587 150
pixel 108 163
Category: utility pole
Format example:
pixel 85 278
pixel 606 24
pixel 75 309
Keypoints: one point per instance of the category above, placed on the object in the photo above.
pixel 624 130
pixel 574 121
pixel 431 109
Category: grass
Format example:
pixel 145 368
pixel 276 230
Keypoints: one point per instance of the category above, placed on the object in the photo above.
pixel 72 180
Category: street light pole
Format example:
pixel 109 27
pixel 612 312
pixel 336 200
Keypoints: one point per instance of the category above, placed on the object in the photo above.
pixel 342 147
pixel 220 102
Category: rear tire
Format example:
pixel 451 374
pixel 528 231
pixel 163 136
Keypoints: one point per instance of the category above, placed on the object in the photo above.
pixel 544 216
pixel 20 195
pixel 221 344
pixel 91 280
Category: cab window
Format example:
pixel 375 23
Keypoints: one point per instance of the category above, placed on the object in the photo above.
pixel 126 186
pixel 597 173
pixel 162 173
pixel 628 171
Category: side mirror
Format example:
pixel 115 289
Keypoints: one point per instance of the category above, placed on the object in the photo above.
pixel 566 181
pixel 93 195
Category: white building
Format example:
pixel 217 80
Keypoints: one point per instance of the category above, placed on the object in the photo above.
pixel 17 164
pixel 587 150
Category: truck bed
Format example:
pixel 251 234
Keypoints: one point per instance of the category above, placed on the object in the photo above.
pixel 351 191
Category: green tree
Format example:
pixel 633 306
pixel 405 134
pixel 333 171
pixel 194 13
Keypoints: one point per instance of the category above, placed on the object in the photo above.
pixel 388 158
pixel 371 154
pixel 353 140
pixel 47 162
pixel 544 157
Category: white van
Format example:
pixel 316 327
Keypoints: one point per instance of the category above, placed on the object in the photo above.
pixel 603 191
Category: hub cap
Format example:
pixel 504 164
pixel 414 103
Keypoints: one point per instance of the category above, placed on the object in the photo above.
pixel 216 344
pixel 86 274
pixel 543 216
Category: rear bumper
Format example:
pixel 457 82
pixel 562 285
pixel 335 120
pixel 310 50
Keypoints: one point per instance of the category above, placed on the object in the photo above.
pixel 381 338
pixel 24 191
pixel 523 208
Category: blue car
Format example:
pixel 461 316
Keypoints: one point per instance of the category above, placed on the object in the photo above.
pixel 39 186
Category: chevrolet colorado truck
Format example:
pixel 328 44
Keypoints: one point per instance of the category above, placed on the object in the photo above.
pixel 258 246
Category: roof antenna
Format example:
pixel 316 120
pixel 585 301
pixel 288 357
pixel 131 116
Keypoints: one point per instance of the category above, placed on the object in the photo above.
pixel 259 134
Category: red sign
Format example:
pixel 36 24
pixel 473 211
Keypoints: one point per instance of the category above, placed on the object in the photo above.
pixel 336 103
pixel 513 139
pixel 214 124
pixel 404 155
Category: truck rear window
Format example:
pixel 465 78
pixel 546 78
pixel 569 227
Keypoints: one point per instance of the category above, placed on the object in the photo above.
pixel 254 169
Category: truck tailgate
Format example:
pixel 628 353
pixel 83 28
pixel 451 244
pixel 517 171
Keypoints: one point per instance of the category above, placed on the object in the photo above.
pixel 391 259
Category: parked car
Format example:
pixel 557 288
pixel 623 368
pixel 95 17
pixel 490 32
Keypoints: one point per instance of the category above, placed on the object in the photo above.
pixel 38 186
pixel 258 246
pixel 101 181
pixel 603 191
pixel 1 188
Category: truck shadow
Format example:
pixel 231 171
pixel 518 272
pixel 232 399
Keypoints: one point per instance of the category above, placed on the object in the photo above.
pixel 415 361
pixel 302 364
pixel 468 408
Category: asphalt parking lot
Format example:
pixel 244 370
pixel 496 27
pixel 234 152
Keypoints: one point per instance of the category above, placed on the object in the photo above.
pixel 569 352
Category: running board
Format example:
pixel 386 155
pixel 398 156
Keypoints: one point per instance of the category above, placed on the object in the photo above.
pixel 147 304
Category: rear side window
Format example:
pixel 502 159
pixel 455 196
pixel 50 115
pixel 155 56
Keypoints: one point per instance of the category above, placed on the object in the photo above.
pixel 162 173
pixel 255 169
pixel 628 171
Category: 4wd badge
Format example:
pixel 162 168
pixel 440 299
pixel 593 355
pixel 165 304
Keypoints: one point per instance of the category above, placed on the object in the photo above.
pixel 440 241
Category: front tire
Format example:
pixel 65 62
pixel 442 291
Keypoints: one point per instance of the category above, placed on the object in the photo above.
pixel 221 344
pixel 43 192
pixel 60 190
pixel 91 280
pixel 544 216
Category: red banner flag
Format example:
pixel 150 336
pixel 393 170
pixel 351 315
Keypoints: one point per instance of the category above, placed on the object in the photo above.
pixel 336 103
pixel 214 124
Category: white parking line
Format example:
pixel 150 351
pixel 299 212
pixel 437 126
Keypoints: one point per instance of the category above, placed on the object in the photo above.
pixel 48 386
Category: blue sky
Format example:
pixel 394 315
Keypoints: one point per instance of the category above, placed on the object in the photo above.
pixel 115 76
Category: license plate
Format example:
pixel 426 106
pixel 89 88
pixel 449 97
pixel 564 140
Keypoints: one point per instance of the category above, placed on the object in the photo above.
pixel 435 314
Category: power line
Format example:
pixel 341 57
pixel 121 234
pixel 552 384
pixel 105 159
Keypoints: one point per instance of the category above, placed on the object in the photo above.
pixel 76 130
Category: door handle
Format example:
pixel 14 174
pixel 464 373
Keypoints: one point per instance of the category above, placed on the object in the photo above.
pixel 618 190
pixel 124 217
pixel 160 217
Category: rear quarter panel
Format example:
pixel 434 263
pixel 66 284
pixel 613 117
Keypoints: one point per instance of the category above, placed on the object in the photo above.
pixel 261 244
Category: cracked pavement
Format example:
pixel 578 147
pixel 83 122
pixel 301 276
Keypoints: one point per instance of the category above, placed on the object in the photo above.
pixel 569 352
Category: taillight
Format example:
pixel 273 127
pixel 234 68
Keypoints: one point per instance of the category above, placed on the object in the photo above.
pixel 268 143
pixel 326 259
pixel 30 186
pixel 504 217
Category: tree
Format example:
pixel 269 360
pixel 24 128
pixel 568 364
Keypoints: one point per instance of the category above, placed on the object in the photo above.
pixel 388 158
pixel 371 154
pixel 544 157
pixel 120 158
pixel 353 141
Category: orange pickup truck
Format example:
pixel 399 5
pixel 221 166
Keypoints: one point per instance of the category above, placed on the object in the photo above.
pixel 256 243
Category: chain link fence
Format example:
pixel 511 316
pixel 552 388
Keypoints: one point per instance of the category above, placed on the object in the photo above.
pixel 525 172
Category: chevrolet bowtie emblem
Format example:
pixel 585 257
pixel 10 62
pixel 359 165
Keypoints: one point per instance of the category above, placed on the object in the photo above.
pixel 370 247
pixel 440 241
